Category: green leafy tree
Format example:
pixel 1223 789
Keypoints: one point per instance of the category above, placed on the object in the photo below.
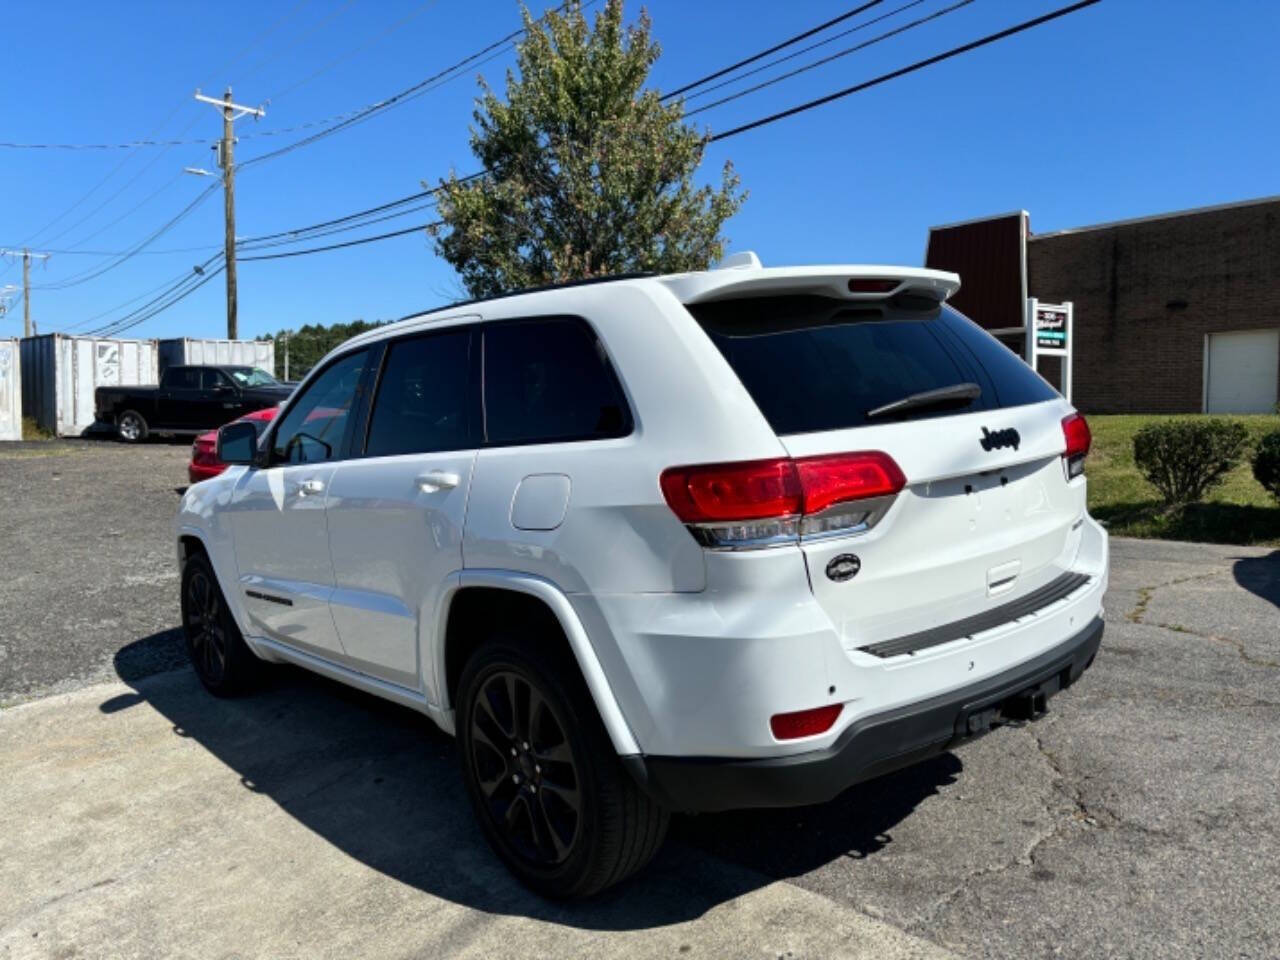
pixel 589 174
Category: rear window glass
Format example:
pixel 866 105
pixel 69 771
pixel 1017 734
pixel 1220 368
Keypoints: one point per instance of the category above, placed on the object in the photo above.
pixel 817 363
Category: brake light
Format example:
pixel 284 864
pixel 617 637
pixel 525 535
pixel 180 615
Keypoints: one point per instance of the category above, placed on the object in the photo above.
pixel 1075 430
pixel 764 502
pixel 873 285
pixel 804 723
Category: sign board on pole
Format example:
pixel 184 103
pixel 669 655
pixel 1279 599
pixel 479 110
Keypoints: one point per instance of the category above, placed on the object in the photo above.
pixel 1049 334
pixel 1051 328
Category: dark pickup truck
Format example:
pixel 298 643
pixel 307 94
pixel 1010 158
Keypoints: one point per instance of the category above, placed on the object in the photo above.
pixel 188 400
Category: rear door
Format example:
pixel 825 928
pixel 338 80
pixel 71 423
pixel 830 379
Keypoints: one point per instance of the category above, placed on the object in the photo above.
pixel 987 514
pixel 179 399
pixel 396 510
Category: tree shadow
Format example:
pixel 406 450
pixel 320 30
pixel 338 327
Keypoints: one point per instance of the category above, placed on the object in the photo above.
pixel 1259 575
pixel 1197 522
pixel 381 783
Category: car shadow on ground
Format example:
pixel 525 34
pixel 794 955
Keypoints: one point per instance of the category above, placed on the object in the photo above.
pixel 1259 575
pixel 381 783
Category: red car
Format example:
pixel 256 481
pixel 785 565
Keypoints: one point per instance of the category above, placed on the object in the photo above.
pixel 204 452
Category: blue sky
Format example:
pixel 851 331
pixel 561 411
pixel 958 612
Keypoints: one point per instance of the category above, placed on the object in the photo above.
pixel 1125 109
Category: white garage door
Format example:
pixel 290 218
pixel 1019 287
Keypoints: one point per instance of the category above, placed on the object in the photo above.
pixel 1243 370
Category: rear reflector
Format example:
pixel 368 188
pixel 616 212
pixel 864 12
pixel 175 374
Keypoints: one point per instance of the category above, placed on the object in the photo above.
pixel 1075 430
pixel 804 723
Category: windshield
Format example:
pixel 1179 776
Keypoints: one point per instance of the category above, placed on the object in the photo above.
pixel 814 363
pixel 252 377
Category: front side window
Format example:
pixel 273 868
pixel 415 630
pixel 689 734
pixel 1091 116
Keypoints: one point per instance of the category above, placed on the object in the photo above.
pixel 424 400
pixel 549 380
pixel 315 427
pixel 253 377
pixel 214 379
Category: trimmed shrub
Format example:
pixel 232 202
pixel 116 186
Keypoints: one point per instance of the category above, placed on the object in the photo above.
pixel 1185 459
pixel 1266 463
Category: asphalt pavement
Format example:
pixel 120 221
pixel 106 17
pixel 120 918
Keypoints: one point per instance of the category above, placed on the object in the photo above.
pixel 139 817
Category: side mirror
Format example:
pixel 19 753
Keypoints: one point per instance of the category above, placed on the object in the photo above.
pixel 238 442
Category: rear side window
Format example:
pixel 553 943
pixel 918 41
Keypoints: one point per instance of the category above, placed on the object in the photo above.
pixel 549 380
pixel 182 378
pixel 424 400
pixel 817 363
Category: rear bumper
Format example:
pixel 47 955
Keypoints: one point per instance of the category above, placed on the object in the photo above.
pixel 871 746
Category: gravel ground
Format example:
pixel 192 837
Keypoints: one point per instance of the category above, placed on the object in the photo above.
pixel 1139 818
pixel 89 562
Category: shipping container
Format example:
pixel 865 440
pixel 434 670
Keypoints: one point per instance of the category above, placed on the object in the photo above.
pixel 10 391
pixel 232 353
pixel 60 374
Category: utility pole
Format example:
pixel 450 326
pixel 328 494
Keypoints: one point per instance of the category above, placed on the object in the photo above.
pixel 231 112
pixel 26 284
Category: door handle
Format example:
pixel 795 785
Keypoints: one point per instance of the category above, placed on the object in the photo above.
pixel 308 487
pixel 437 480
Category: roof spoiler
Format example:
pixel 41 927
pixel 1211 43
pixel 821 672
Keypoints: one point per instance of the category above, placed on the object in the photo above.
pixel 741 275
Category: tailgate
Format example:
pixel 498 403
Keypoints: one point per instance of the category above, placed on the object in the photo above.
pixel 973 529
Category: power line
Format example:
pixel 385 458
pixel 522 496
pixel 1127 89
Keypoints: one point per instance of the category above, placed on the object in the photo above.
pixel 241 245
pixel 774 49
pixel 828 59
pixel 163 289
pixel 411 15
pixel 919 65
pixel 120 326
pixel 92 273
pixel 257 39
pixel 405 95
pixel 97 186
pixel 802 51
pixel 322 22
pixel 348 243
pixel 298 231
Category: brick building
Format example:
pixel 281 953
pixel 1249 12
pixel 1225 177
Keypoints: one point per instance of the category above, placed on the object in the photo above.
pixel 1175 313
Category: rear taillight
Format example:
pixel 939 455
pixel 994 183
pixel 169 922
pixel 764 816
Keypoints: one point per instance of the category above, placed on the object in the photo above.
pixel 760 503
pixel 804 723
pixel 1075 430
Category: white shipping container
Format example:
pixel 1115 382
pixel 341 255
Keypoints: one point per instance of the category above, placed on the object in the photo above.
pixel 10 391
pixel 60 374
pixel 233 353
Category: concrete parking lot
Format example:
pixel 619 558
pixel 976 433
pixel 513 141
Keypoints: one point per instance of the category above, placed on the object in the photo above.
pixel 139 817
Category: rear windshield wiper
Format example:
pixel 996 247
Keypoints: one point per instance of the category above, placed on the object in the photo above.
pixel 959 394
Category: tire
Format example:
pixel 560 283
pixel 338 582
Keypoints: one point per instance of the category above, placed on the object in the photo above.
pixel 131 427
pixel 524 796
pixel 223 662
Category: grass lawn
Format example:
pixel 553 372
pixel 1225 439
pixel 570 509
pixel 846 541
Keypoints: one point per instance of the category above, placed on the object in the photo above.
pixel 1238 511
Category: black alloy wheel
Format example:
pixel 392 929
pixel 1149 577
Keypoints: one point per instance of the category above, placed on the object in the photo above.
pixel 551 795
pixel 524 765
pixel 202 615
pixel 222 661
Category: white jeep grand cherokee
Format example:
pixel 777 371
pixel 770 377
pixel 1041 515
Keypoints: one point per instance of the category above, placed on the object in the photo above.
pixel 737 538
